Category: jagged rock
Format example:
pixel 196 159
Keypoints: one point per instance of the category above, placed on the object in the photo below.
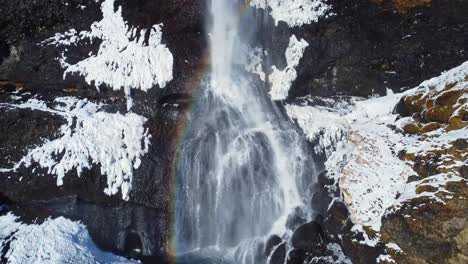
pixel 359 253
pixel 335 221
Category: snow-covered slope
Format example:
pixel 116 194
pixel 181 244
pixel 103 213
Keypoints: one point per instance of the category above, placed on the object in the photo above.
pixel 367 165
pixel 56 240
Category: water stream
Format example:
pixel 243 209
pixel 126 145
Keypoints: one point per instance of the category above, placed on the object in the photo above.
pixel 243 166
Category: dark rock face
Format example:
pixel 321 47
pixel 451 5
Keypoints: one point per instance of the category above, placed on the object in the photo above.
pixel 368 46
pixel 140 227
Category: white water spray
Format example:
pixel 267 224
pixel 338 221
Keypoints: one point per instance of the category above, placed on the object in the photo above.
pixel 243 167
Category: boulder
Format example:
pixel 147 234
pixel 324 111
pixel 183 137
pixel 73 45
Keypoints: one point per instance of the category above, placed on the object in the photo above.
pixel 308 237
pixel 271 243
pixel 279 254
pixel 296 256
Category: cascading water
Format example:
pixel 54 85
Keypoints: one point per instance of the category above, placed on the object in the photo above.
pixel 243 167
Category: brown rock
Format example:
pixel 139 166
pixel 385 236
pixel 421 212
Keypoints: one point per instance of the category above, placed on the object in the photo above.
pixel 414 103
pixel 439 114
pixel 448 97
pixel 404 6
pixel 430 127
pixel 411 128
pixel 429 231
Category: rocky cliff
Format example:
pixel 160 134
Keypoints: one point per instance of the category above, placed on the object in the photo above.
pixel 55 104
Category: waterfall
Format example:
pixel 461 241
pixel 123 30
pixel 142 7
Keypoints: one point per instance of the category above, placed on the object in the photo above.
pixel 243 167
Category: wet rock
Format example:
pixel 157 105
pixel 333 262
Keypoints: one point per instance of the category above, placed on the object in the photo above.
pixel 335 221
pixel 321 197
pixel 279 254
pixel 271 243
pixel 296 256
pixel 308 237
pixel 296 218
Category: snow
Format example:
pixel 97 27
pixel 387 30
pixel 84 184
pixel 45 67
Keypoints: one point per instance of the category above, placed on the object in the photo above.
pixel 338 256
pixel 385 258
pixel 54 241
pixel 8 226
pixel 320 125
pixel 373 180
pixel 281 81
pixel 393 246
pixel 294 12
pixel 373 175
pixel 338 252
pixel 90 137
pixel 457 74
pixel 121 62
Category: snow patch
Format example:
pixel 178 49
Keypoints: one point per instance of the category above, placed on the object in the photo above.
pixel 90 137
pixel 385 258
pixel 294 12
pixel 338 256
pixel 281 81
pixel 123 60
pixel 320 125
pixel 455 75
pixel 54 241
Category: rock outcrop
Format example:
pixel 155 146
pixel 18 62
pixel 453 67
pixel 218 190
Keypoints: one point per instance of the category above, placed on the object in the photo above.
pixel 31 69
pixel 361 48
pixel 367 46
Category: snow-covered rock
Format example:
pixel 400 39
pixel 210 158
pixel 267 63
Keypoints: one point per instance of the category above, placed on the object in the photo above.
pixel 56 240
pixel 372 177
pixel 320 125
pixel 294 12
pixel 91 136
pixel 124 60
pixel 282 80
